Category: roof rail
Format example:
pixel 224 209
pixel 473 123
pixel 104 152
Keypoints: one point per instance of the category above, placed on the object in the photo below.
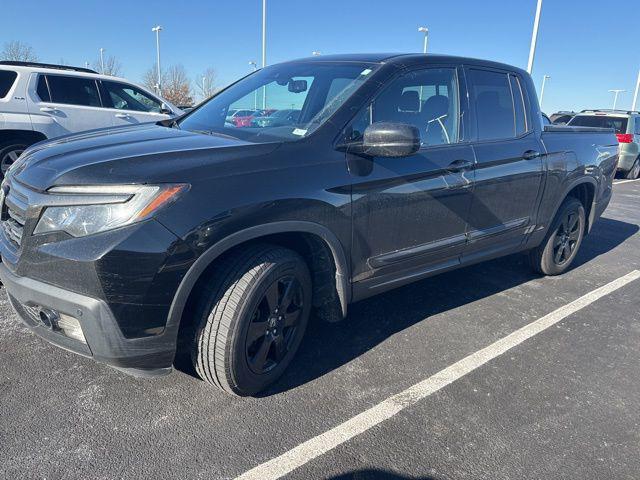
pixel 607 110
pixel 46 65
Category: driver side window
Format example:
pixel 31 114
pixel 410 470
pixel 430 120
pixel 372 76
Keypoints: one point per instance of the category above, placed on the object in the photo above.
pixel 427 99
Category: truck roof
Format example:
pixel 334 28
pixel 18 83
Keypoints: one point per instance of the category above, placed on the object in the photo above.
pixel 406 59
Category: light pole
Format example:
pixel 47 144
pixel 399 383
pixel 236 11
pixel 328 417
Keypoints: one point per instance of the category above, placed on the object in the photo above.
pixel 204 92
pixel 424 30
pixel 255 92
pixel 86 64
pixel 544 82
pixel 102 60
pixel 157 29
pixel 635 95
pixel 534 37
pixel 616 92
pixel 264 50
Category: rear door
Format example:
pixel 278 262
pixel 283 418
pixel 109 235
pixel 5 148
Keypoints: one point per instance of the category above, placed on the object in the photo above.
pixel 130 104
pixel 69 104
pixel 509 163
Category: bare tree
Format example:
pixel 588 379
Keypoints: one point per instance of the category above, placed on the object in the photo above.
pixel 111 66
pixel 19 52
pixel 207 83
pixel 174 84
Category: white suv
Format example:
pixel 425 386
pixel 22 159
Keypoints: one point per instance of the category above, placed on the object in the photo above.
pixel 41 101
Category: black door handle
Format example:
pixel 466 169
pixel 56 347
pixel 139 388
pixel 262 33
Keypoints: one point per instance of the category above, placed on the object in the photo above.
pixel 530 154
pixel 459 165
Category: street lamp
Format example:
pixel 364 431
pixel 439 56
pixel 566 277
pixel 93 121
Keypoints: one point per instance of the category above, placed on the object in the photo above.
pixel 157 30
pixel 264 50
pixel 534 37
pixel 204 90
pixel 102 60
pixel 616 92
pixel 635 95
pixel 424 30
pixel 255 92
pixel 544 82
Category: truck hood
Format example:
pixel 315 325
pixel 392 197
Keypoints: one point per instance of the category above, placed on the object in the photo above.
pixel 139 154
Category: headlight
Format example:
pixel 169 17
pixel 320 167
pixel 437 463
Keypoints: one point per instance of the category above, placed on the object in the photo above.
pixel 93 209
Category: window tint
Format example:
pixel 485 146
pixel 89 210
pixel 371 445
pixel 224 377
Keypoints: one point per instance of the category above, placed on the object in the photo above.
pixel 426 99
pixel 42 90
pixel 7 77
pixel 128 97
pixel 600 121
pixel 493 103
pixel 73 91
pixel 518 104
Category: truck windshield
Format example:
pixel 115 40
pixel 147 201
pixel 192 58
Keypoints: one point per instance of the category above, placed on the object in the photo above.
pixel 281 102
pixel 600 121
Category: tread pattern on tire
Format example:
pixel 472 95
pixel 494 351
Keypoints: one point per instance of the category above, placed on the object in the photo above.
pixel 536 254
pixel 218 305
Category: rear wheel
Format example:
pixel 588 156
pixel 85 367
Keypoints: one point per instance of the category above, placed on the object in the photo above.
pixel 560 247
pixel 252 317
pixel 9 153
pixel 634 172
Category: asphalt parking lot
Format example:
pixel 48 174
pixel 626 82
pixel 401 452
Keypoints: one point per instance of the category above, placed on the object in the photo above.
pixel 562 402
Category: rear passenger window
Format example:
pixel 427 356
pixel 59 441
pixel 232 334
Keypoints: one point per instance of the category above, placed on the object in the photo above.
pixel 518 104
pixel 7 77
pixel 637 120
pixel 73 91
pixel 42 90
pixel 496 111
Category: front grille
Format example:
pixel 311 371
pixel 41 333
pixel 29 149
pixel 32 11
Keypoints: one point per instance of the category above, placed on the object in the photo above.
pixel 14 214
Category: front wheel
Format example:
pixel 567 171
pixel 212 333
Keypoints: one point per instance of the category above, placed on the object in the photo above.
pixel 252 316
pixel 560 247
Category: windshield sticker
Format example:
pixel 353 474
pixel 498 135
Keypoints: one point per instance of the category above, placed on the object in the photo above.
pixel 299 131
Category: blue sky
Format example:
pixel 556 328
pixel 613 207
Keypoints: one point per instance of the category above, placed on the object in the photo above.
pixel 587 46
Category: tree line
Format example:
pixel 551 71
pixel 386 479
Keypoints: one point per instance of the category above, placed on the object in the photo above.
pixel 175 84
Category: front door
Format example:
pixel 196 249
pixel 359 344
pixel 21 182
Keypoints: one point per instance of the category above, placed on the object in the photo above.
pixel 131 105
pixel 509 167
pixel 410 214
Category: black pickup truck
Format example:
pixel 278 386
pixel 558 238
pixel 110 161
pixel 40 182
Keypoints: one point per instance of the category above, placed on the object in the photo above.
pixel 130 244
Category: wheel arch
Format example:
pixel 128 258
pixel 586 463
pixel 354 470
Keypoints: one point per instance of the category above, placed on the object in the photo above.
pixel 265 231
pixel 29 136
pixel 584 189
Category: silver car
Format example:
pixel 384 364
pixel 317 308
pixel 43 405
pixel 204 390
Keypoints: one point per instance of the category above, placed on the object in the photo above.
pixel 627 127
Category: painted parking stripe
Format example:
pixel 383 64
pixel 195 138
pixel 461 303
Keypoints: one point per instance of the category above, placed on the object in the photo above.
pixel 316 446
pixel 618 182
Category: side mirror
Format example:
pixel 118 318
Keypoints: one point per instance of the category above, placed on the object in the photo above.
pixel 165 110
pixel 387 139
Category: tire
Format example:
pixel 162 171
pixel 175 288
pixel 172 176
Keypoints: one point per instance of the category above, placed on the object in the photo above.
pixel 247 329
pixel 634 171
pixel 562 242
pixel 9 153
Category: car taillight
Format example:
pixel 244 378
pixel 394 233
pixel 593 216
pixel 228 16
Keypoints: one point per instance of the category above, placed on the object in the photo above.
pixel 625 137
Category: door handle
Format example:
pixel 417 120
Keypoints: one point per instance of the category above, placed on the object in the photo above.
pixel 530 154
pixel 122 115
pixel 459 165
pixel 48 109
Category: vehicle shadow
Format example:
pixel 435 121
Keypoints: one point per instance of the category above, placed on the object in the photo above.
pixel 328 346
pixel 376 474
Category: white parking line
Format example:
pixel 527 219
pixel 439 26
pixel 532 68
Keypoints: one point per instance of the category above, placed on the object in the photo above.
pixel 316 446
pixel 618 182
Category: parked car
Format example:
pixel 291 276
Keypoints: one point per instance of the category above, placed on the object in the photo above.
pixel 122 245
pixel 627 127
pixel 279 118
pixel 42 101
pixel 236 113
pixel 562 117
pixel 246 120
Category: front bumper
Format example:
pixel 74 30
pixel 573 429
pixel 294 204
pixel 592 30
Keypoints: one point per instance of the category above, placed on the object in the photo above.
pixel 147 356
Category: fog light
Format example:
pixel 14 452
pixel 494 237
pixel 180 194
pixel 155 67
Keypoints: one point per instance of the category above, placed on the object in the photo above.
pixel 70 326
